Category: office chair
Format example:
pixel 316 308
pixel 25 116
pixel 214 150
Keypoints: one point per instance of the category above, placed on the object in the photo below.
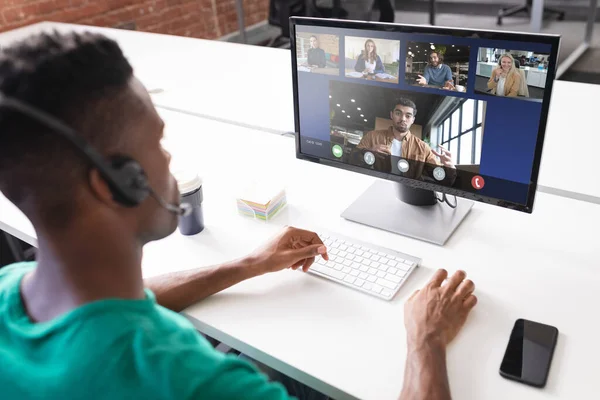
pixel 507 12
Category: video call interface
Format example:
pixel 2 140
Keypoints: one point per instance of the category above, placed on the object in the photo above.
pixel 455 111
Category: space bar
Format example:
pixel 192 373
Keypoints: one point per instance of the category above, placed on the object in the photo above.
pixel 328 271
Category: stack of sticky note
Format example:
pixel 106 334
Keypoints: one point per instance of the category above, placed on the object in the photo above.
pixel 261 200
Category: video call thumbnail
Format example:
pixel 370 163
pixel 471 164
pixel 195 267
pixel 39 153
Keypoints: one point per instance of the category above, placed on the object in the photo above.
pixel 511 73
pixel 405 133
pixel 318 53
pixel 437 66
pixel 372 59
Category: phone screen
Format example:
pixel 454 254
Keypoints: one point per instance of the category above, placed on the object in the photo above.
pixel 529 352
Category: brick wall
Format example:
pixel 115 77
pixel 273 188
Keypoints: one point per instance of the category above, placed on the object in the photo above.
pixel 196 18
pixel 329 43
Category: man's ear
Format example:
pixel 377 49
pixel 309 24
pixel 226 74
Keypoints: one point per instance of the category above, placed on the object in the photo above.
pixel 100 188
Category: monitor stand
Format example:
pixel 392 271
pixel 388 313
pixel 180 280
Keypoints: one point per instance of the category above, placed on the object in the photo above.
pixel 407 211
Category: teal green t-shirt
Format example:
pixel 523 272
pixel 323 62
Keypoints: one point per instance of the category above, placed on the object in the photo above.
pixel 115 349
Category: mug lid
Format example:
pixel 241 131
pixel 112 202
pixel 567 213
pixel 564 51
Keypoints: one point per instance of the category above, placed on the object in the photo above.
pixel 187 181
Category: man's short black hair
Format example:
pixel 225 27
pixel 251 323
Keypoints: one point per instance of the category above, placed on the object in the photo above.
pixel 406 103
pixel 75 77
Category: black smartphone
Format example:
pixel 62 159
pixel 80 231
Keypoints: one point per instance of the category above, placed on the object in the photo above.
pixel 529 353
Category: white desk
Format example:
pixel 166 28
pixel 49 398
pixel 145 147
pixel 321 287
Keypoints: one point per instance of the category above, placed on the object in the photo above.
pixel 542 267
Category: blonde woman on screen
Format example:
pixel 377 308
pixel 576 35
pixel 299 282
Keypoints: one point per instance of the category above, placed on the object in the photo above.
pixel 505 80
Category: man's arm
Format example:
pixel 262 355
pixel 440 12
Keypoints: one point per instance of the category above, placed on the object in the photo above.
pixel 179 290
pixel 293 248
pixel 425 376
pixel 427 74
pixel 448 74
pixel 433 316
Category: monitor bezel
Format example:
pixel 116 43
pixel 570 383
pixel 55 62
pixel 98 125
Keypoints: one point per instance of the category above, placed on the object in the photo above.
pixel 553 40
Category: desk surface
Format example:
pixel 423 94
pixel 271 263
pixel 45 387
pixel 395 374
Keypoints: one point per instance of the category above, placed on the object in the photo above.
pixel 176 65
pixel 542 266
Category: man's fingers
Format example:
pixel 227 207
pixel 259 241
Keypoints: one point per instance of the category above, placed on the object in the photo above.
pixel 465 289
pixel 307 264
pixel 455 280
pixel 470 302
pixel 311 251
pixel 412 296
pixel 421 76
pixel 438 277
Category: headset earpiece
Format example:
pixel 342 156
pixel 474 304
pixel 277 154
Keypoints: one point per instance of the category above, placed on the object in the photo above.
pixel 134 184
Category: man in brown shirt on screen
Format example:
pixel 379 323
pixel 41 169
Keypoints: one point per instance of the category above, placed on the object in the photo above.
pixel 398 141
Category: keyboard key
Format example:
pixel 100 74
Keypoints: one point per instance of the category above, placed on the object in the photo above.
pixel 343 247
pixel 334 251
pixel 359 282
pixel 382 267
pixel 400 273
pixel 392 270
pixel 372 278
pixel 386 293
pixel 350 257
pixel 384 260
pixel 346 269
pixel 393 278
pixel 356 265
pixel 380 274
pixel 386 283
pixel 372 271
pixel 358 259
pixel 359 252
pixel 375 258
pixel 335 245
pixel 403 266
pixel 362 275
pixel 367 286
pixel 367 255
pixel 410 263
pixel 376 289
pixel 366 262
pixel 375 264
pixel 351 250
pixel 347 263
pixel 343 254
pixel 355 273
pixel 364 268
pixel 381 254
pixel 349 279
pixel 392 263
pixel 328 271
pixel 338 266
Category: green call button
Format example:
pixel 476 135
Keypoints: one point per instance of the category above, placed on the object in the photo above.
pixel 337 150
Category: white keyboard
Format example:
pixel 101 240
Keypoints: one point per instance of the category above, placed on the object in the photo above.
pixel 363 266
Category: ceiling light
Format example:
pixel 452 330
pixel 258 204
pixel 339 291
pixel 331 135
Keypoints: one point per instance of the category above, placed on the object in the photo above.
pixel 344 111
pixel 348 116
pixel 417 47
pixel 338 105
pixel 432 47
pixel 452 45
pixel 362 115
pixel 358 108
pixel 329 96
pixel 365 120
pixel 352 100
pixel 457 49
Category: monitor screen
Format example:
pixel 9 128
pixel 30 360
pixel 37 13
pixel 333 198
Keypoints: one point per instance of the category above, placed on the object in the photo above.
pixel 456 111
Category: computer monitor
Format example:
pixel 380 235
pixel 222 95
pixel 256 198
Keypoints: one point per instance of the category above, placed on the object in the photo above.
pixel 435 111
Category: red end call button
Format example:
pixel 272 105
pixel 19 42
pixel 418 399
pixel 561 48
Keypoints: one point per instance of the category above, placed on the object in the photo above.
pixel 477 182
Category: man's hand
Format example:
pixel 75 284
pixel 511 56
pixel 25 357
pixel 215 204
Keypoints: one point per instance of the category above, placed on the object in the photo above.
pixel 292 248
pixel 422 80
pixel 437 312
pixel 382 148
pixel 445 157
pixel 449 85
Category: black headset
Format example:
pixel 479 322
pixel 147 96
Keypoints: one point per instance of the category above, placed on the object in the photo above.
pixel 125 176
